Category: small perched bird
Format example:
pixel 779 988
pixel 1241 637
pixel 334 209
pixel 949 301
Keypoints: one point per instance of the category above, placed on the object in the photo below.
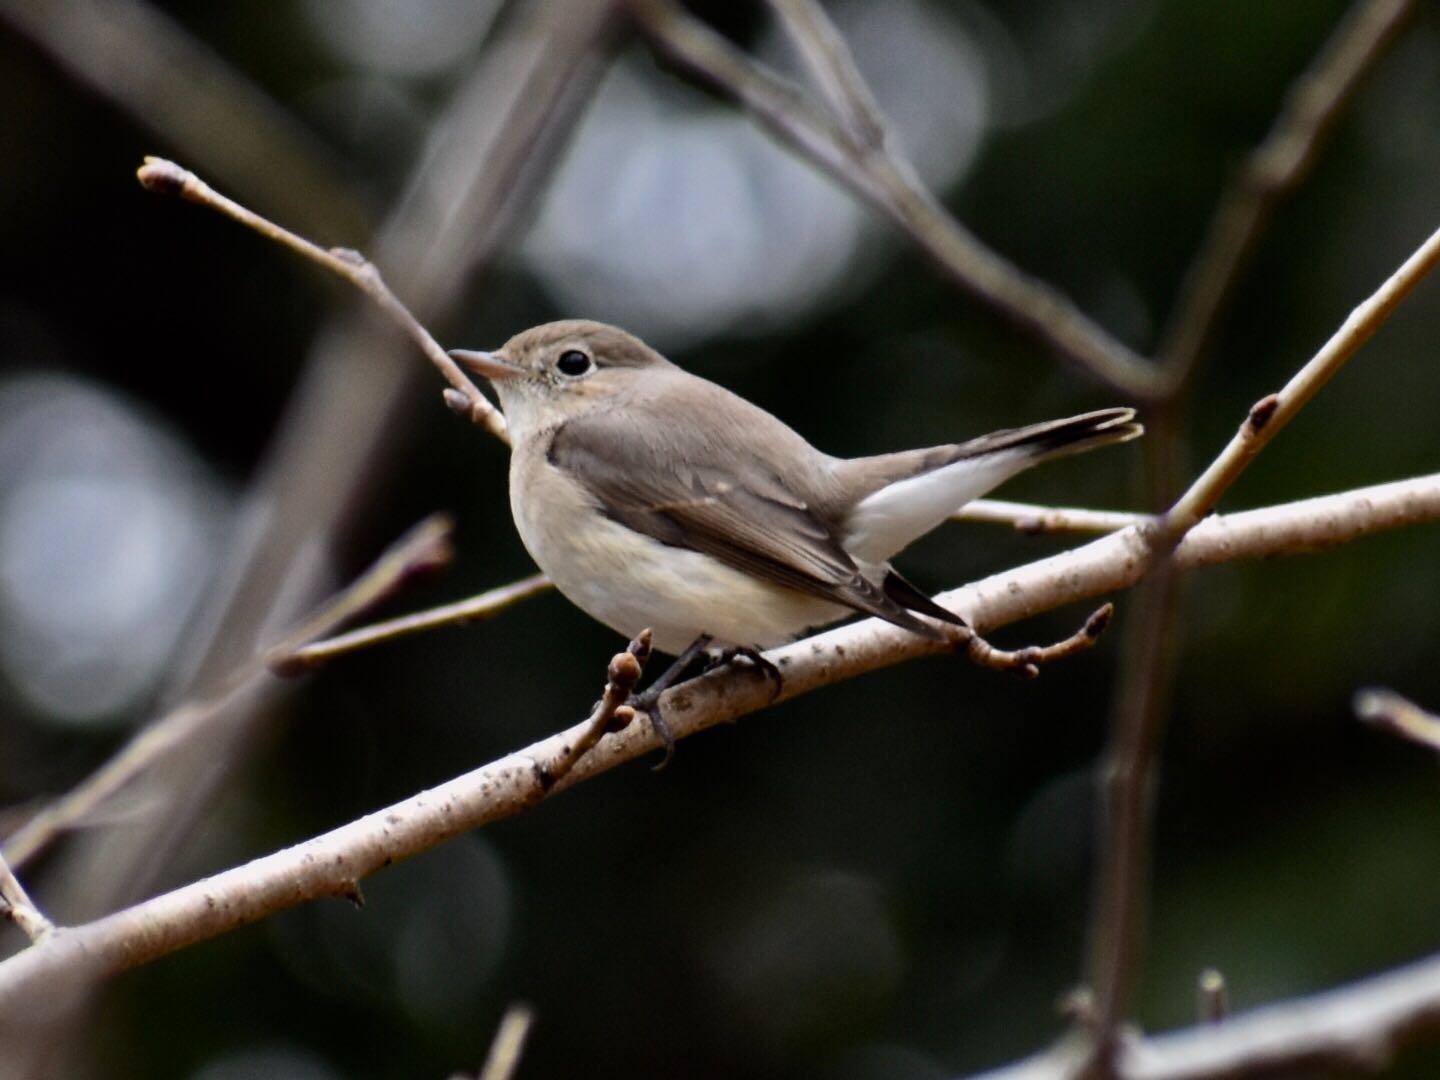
pixel 655 498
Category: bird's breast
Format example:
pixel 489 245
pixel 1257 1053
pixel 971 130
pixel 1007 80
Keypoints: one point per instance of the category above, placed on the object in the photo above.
pixel 629 580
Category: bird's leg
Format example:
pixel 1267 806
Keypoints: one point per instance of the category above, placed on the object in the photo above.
pixel 649 701
pixel 757 658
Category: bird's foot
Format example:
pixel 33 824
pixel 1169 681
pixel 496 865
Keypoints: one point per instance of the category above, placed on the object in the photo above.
pixel 649 701
pixel 757 660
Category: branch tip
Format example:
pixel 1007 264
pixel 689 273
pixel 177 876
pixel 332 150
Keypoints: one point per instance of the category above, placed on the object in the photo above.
pixel 1213 996
pixel 1099 621
pixel 164 177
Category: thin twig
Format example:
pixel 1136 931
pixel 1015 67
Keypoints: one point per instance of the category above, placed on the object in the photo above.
pixel 888 182
pixel 331 864
pixel 610 712
pixel 1027 661
pixel 1120 911
pixel 827 57
pixel 508 1044
pixel 1272 412
pixel 1212 997
pixel 16 905
pixel 1313 106
pixel 472 609
pixel 425 548
pixel 422 548
pixel 1398 715
pixel 1028 518
pixel 167 178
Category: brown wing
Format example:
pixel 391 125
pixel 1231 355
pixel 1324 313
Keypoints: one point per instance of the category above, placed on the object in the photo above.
pixel 687 486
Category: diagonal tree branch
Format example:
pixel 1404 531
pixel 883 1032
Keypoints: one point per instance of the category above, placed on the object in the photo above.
pixel 332 864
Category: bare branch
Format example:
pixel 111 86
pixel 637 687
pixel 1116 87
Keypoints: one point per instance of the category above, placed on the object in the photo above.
pixel 1027 661
pixel 827 56
pixel 472 609
pixel 16 905
pixel 1398 715
pixel 422 548
pixel 1027 518
pixel 1274 411
pixel 1118 926
pixel 508 1044
pixel 1273 169
pixel 1357 1028
pixel 331 864
pixel 888 182
pixel 166 178
pixel 1212 996
pixel 610 713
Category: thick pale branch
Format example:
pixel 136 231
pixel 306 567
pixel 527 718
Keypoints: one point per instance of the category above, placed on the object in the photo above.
pixel 1355 1029
pixel 331 864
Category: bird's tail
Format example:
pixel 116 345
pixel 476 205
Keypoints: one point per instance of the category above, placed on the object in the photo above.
pixel 913 491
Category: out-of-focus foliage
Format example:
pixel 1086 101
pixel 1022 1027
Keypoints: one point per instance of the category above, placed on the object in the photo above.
pixel 884 880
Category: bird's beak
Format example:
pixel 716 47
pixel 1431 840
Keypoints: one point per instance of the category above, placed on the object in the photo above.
pixel 488 364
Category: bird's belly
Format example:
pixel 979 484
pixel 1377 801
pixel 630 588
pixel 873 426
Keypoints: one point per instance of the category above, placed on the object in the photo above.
pixel 630 581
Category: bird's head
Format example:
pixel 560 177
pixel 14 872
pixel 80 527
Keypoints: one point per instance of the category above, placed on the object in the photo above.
pixel 557 370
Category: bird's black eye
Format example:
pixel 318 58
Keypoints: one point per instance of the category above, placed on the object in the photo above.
pixel 572 362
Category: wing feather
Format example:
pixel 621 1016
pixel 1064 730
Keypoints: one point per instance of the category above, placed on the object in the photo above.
pixel 726 501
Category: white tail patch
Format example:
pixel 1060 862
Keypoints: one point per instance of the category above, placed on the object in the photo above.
pixel 885 522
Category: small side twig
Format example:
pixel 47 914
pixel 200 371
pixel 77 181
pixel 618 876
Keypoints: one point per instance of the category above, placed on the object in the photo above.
pixel 16 905
pixel 507 1046
pixel 1212 997
pixel 425 548
pixel 167 178
pixel 1033 520
pixel 472 609
pixel 610 713
pixel 1389 711
pixel 1027 661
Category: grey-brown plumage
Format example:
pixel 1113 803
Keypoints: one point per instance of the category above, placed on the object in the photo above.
pixel 621 457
